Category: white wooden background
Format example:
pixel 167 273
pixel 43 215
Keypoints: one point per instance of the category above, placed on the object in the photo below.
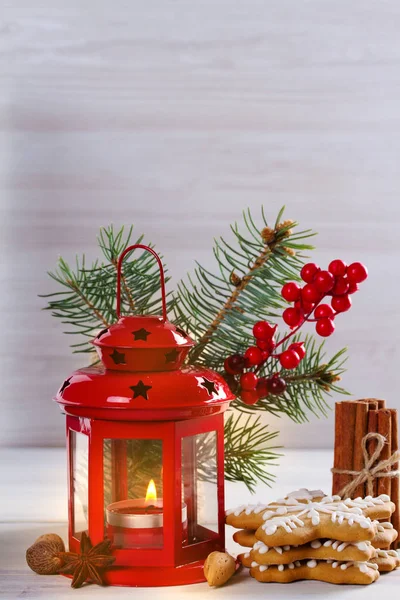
pixel 176 115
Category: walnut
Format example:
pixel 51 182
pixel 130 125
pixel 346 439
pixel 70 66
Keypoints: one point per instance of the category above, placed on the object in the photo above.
pixel 219 567
pixel 54 538
pixel 43 556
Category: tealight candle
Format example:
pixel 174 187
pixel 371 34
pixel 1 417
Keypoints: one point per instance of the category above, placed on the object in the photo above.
pixel 139 522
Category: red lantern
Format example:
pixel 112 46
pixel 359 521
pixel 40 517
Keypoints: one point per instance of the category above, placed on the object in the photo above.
pixel 145 438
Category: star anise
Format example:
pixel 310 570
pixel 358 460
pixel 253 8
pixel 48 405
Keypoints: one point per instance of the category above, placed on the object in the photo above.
pixel 89 564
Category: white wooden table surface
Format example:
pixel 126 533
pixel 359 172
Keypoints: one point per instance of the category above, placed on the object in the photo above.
pixel 33 500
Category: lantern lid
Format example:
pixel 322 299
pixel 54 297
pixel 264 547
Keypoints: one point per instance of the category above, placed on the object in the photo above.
pixel 142 343
pixel 143 332
pixel 143 378
pixel 96 392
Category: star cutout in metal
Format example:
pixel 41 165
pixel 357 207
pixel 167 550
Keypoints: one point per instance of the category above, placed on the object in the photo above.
pixel 102 332
pixel 172 355
pixel 141 334
pixel 140 389
pixel 118 357
pixel 66 383
pixel 209 386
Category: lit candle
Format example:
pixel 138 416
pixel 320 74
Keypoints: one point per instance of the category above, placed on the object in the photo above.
pixel 139 522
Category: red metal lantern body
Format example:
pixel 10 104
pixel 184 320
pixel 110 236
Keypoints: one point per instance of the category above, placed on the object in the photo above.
pixel 140 425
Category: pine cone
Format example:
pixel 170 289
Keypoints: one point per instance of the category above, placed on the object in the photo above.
pixel 268 235
pixel 287 223
pixel 289 251
pixel 235 279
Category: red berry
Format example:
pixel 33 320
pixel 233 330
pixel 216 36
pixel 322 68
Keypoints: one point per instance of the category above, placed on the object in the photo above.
pixel 308 307
pixel 299 305
pixel 249 396
pixel 309 272
pixel 291 291
pixel 253 356
pixel 291 316
pixel 262 330
pixel 261 388
pixel 357 272
pixel 324 311
pixel 353 287
pixel 276 385
pixel 267 345
pixel 324 327
pixel 248 381
pixel 337 268
pixel 289 359
pixel 299 348
pixel 324 281
pixel 234 364
pixel 310 293
pixel 341 303
pixel 264 354
pixel 341 287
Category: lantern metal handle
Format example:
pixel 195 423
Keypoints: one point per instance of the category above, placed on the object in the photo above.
pixel 162 278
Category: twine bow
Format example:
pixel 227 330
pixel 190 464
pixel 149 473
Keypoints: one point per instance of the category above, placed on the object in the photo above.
pixel 370 472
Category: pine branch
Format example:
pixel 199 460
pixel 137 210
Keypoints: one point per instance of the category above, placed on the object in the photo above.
pixel 251 271
pixel 248 451
pixel 307 387
pixel 87 301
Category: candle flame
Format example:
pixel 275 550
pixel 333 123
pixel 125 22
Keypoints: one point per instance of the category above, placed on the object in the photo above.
pixel 151 494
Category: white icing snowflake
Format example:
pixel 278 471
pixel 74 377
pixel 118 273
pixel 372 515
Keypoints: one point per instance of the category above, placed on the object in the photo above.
pixel 288 515
pixel 302 494
pixel 286 512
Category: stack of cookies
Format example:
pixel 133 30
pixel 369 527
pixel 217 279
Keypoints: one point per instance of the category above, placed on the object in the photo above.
pixel 308 535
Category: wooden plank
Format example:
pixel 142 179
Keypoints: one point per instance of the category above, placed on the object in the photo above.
pixel 177 117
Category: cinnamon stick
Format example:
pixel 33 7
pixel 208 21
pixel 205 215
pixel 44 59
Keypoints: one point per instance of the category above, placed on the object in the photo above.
pixel 395 483
pixel 345 418
pixel 373 404
pixel 372 427
pixel 361 426
pixel 385 429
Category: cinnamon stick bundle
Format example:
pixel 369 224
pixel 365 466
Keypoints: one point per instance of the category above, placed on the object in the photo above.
pixel 395 487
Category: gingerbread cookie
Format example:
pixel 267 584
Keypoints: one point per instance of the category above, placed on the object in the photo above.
pixel 359 573
pixel 304 502
pixel 328 518
pixel 318 549
pixel 383 539
pixel 385 535
pixel 245 537
pixel 245 559
pixel 387 560
pixel 251 516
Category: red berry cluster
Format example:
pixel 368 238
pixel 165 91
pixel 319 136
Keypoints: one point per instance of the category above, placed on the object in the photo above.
pixel 339 282
pixel 254 387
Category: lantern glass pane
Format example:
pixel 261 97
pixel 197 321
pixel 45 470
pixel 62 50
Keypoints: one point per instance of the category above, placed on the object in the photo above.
pixel 199 486
pixel 80 470
pixel 133 492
